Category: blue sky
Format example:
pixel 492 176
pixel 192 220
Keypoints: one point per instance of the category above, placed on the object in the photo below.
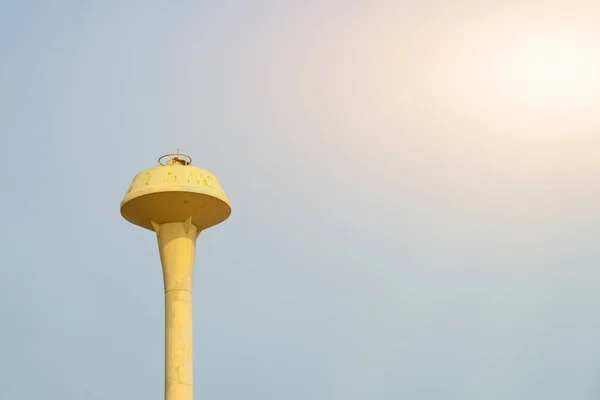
pixel 414 216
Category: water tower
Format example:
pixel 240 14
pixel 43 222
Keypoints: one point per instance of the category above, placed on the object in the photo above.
pixel 177 201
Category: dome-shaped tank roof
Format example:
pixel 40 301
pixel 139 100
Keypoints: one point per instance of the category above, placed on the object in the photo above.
pixel 174 191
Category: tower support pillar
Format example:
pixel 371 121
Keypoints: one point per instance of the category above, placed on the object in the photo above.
pixel 177 246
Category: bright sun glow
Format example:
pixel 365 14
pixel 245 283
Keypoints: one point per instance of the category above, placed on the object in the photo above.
pixel 553 73
pixel 557 71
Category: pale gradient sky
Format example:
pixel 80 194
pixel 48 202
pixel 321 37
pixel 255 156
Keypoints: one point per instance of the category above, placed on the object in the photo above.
pixel 414 216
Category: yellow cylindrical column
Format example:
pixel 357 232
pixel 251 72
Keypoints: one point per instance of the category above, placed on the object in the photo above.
pixel 177 245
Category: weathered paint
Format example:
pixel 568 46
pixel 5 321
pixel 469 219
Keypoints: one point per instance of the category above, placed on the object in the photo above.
pixel 177 245
pixel 174 192
pixel 177 201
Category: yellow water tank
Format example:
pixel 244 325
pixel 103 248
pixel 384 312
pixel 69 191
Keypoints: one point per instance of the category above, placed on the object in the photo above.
pixel 173 191
pixel 177 201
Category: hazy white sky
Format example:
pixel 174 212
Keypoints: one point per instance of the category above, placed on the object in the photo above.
pixel 415 195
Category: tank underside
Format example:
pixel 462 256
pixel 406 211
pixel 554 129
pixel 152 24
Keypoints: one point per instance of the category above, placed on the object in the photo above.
pixel 174 206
